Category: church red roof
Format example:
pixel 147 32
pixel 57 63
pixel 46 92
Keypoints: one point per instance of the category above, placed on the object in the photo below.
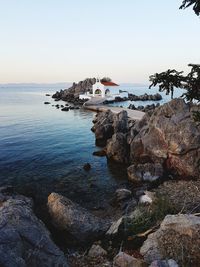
pixel 109 84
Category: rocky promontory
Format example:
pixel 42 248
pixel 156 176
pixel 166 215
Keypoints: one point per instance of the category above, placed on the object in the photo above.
pixel 169 137
pixel 72 93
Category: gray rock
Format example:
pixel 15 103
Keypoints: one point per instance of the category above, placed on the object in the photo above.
pixel 124 260
pixel 103 127
pixel 24 240
pixel 178 237
pixel 122 194
pixel 87 166
pixel 117 148
pixel 97 251
pixel 76 89
pixel 77 221
pixel 103 133
pixel 164 263
pixel 65 109
pixel 171 135
pixel 120 123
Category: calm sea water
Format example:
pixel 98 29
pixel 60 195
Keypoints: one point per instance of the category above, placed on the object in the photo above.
pixel 43 149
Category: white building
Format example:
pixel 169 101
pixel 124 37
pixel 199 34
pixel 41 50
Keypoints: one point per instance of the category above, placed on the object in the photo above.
pixel 102 89
pixel 98 89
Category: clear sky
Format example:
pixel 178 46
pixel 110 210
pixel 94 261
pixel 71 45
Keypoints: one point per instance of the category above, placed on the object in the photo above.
pixel 69 40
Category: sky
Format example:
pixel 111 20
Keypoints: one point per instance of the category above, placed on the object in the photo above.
pixel 47 41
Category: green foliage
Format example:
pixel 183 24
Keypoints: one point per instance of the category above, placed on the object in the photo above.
pixel 146 217
pixel 188 3
pixel 170 79
pixel 193 84
pixel 167 81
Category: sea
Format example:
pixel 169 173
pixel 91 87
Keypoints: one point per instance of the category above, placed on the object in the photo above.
pixel 43 149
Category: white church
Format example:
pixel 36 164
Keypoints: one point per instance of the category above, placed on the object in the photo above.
pixel 103 89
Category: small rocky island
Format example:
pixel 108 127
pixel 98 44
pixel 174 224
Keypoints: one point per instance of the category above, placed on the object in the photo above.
pixel 71 95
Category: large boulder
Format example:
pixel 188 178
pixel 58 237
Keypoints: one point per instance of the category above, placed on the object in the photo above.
pixel 117 148
pixel 75 220
pixel 103 127
pixel 171 136
pixel 24 240
pixel 107 123
pixel 178 237
pixel 120 123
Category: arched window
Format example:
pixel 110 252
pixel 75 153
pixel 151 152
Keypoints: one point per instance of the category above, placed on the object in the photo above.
pixel 107 92
pixel 97 92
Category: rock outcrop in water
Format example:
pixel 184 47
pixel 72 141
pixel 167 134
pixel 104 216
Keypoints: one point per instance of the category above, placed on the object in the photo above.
pixel 72 94
pixel 169 137
pixel 145 97
pixel 24 240
pixel 146 108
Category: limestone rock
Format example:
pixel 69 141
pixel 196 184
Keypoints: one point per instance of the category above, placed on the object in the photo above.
pixel 164 263
pixel 122 194
pixel 76 88
pixel 120 123
pixel 168 136
pixel 77 221
pixel 172 135
pixel 103 127
pixel 148 172
pixel 24 240
pixel 178 237
pixel 124 260
pixel 103 133
pixel 97 251
pixel 117 148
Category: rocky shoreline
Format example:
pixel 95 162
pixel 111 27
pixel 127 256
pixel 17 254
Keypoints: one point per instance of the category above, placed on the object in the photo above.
pixel 165 141
pixel 153 222
pixel 100 242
